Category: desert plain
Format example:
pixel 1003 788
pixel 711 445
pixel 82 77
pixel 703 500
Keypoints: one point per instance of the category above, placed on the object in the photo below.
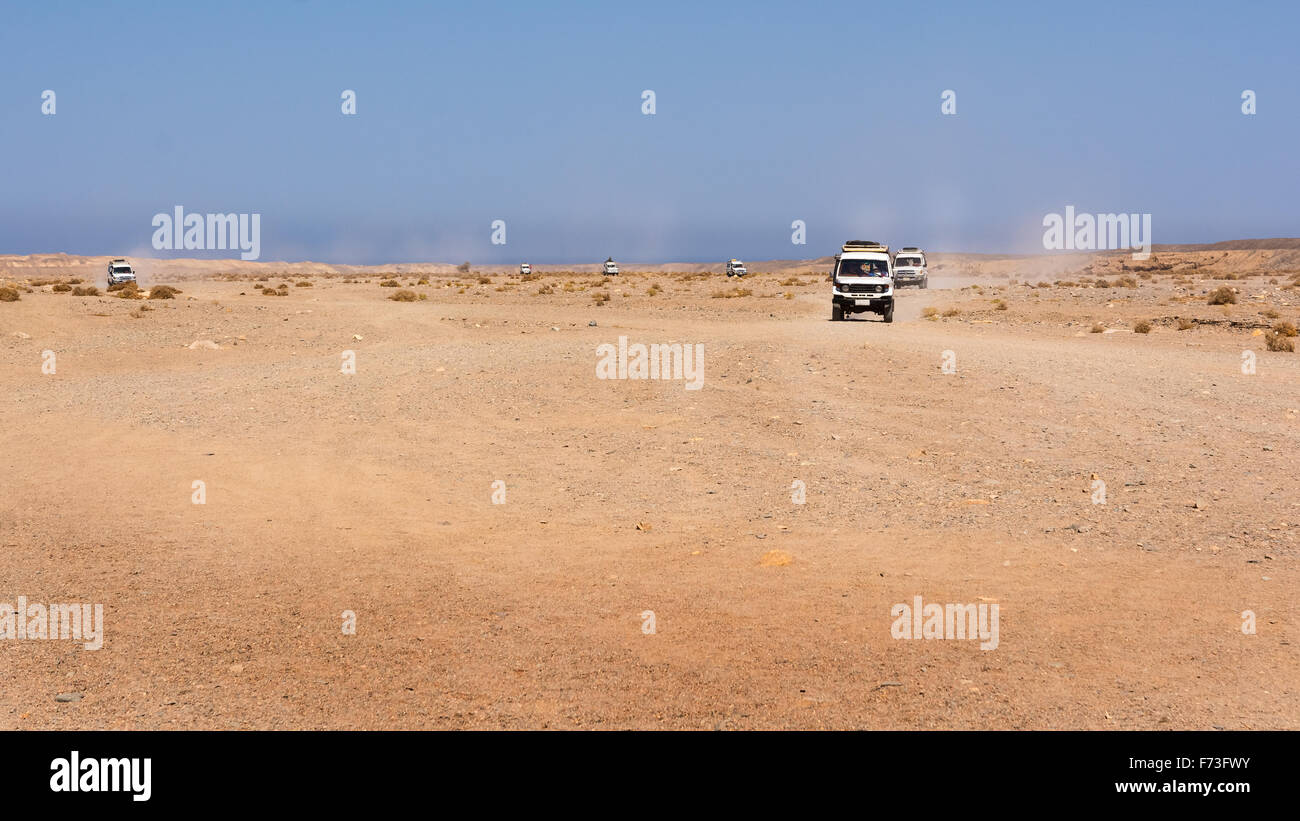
pixel 1102 447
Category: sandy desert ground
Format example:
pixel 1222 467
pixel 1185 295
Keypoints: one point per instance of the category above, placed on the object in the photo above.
pixel 373 493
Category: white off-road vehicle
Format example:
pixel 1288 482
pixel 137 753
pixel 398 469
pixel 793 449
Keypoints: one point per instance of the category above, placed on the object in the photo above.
pixel 525 269
pixel 611 267
pixel 736 268
pixel 119 270
pixel 909 268
pixel 862 280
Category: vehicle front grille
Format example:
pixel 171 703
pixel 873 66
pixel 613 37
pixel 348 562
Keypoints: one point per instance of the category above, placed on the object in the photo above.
pixel 862 289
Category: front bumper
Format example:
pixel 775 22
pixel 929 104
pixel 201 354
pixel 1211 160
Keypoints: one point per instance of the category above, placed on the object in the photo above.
pixel 863 300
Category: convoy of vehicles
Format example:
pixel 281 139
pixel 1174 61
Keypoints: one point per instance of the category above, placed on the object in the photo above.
pixel 736 268
pixel 119 270
pixel 862 280
pixel 909 268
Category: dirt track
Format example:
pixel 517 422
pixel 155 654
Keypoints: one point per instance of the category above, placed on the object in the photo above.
pixel 372 492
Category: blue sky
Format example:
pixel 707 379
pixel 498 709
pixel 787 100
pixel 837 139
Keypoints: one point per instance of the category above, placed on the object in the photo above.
pixel 531 113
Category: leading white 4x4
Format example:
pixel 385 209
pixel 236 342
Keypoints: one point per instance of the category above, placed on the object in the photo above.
pixel 119 270
pixel 736 268
pixel 862 280
pixel 611 267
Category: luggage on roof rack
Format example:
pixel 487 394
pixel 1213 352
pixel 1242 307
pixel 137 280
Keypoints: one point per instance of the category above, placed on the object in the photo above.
pixel 910 248
pixel 863 245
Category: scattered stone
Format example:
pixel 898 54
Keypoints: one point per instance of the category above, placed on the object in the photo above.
pixel 65 698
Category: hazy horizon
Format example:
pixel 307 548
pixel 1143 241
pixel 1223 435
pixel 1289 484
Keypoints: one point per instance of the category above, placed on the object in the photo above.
pixel 534 115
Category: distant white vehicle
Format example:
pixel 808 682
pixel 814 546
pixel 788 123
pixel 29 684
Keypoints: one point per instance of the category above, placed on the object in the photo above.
pixel 736 268
pixel 862 280
pixel 119 270
pixel 611 267
pixel 525 269
pixel 909 268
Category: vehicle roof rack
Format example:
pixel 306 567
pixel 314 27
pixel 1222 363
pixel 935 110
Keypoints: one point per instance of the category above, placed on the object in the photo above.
pixel 909 248
pixel 863 245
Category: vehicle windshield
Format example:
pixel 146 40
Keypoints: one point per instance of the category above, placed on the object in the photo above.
pixel 864 268
pixel 121 270
pixel 907 262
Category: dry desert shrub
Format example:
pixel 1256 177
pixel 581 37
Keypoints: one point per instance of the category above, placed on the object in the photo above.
pixel 1278 342
pixel 61 288
pixel 999 305
pixel 1271 314
pixel 9 294
pixel 483 280
pixel 129 291
pixel 403 296
pixel 163 292
pixel 600 298
pixel 1142 327
pixel 1097 328
pixel 545 289
pixel 732 293
pixel 89 290
pixel 1185 324
pixel 389 283
pixel 1284 329
pixel 789 295
pixel 463 267
pixel 929 312
pixel 1223 296
pixel 304 284
pixel 952 312
pixel 122 286
pixel 1127 282
pixel 75 281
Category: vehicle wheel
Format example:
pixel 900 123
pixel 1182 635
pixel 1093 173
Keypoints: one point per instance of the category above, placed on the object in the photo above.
pixel 837 313
pixel 925 283
pixel 889 314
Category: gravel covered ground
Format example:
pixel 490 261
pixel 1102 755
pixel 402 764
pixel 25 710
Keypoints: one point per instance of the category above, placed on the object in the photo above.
pixel 372 492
